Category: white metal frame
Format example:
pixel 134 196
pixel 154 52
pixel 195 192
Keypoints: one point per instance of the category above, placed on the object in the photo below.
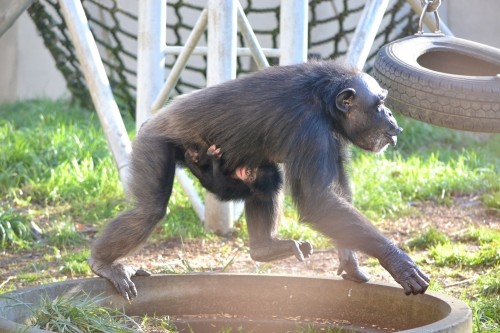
pixel 98 83
pixel 365 32
pixel 221 66
pixel 150 57
pixel 12 13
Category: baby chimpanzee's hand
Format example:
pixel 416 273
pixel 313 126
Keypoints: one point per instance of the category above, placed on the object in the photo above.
pixel 214 151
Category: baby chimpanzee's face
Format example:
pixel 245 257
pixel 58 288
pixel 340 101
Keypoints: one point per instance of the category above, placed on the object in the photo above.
pixel 245 174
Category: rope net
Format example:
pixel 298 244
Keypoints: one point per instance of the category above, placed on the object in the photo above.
pixel 114 26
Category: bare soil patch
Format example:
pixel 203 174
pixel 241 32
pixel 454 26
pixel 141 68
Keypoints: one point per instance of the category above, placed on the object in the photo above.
pixel 231 254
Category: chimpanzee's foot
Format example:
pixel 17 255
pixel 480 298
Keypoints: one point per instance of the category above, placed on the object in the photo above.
pixel 119 275
pixel 214 151
pixel 349 263
pixel 280 249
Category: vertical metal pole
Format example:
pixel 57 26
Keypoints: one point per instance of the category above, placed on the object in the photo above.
pixel 221 66
pixel 221 57
pixel 181 61
pixel 98 83
pixel 365 32
pixel 151 41
pixel 293 31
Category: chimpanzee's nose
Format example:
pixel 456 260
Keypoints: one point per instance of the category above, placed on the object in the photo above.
pixel 396 130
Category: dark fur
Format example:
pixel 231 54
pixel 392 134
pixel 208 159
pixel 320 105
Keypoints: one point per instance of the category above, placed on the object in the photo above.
pixel 218 180
pixel 302 116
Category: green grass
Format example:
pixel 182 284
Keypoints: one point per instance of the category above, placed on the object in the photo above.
pixel 54 155
pixel 484 300
pixel 14 229
pixel 64 234
pixel 430 237
pixel 462 255
pixel 477 248
pixel 181 220
pixel 56 172
pixel 80 313
pixel 430 163
pixel 75 263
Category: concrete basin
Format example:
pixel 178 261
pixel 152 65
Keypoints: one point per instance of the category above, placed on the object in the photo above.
pixel 260 303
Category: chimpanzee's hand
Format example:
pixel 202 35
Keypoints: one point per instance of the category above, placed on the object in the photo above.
pixel 192 155
pixel 119 275
pixel 405 271
pixel 349 263
pixel 214 151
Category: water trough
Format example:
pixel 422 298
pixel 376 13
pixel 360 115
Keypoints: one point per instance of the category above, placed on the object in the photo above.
pixel 260 303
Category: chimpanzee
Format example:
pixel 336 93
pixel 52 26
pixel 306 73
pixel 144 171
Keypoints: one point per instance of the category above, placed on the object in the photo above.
pixel 303 116
pixel 240 183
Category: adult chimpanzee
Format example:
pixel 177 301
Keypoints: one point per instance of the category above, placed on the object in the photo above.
pixel 207 165
pixel 303 116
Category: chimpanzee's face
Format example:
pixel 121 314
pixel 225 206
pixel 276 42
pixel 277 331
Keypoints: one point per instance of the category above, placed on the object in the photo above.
pixel 368 123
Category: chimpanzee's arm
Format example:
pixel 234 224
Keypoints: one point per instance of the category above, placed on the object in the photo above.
pixel 206 165
pixel 334 216
pixel 348 260
pixel 204 174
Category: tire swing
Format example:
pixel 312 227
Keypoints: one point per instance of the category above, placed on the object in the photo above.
pixel 442 80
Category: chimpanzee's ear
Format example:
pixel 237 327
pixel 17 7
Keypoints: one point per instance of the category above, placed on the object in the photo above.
pixel 344 99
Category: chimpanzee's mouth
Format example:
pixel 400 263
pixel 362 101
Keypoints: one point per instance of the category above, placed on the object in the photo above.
pixel 393 139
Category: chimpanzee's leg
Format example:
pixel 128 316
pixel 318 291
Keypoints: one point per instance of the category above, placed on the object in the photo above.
pixel 262 222
pixel 150 184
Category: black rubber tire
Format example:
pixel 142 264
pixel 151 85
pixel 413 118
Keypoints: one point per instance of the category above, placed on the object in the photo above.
pixel 442 80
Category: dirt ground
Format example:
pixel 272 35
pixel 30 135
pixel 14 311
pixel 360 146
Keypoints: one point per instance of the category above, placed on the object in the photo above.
pixel 231 254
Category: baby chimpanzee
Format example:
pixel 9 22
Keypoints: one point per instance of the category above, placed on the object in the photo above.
pixel 208 166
